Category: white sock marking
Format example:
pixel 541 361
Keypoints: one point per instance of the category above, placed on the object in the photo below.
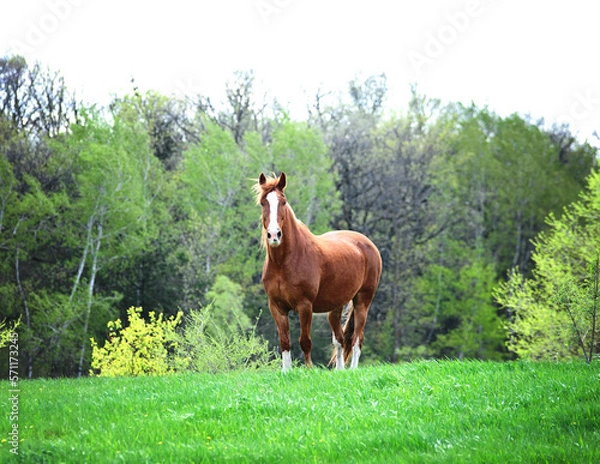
pixel 355 355
pixel 286 358
pixel 339 354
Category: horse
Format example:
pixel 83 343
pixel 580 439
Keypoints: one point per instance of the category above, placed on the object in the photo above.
pixel 309 273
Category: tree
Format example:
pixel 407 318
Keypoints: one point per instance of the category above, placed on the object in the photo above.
pixel 109 215
pixel 34 100
pixel 299 151
pixel 554 313
pixel 348 132
pixel 388 184
pixel 518 174
pixel 214 177
pixel 227 307
pixel 165 120
pixel 27 222
pixel 243 113
pixel 453 305
pixel 368 96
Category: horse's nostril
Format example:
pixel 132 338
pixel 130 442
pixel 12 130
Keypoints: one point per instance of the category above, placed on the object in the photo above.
pixel 279 234
pixel 268 234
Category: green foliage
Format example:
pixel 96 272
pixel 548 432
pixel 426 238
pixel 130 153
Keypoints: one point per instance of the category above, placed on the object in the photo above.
pixel 491 189
pixel 141 348
pixel 214 170
pixel 422 412
pixel 148 203
pixel 453 300
pixel 116 174
pixel 516 175
pixel 220 337
pixel 473 328
pixel 536 331
pixel 54 335
pixel 8 192
pixel 209 343
pixel 554 313
pixel 299 151
pixel 7 331
pixel 227 311
pixel 216 338
pixel 219 206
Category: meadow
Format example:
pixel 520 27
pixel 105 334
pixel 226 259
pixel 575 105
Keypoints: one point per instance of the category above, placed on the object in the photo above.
pixel 421 412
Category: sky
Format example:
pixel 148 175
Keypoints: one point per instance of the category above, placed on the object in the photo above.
pixel 535 58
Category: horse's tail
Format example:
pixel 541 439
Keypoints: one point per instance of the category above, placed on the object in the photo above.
pixel 348 331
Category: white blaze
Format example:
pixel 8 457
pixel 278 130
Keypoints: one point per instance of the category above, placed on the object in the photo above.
pixel 273 231
pixel 273 204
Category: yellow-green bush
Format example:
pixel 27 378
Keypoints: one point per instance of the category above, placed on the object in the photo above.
pixel 6 332
pixel 141 348
pixel 555 313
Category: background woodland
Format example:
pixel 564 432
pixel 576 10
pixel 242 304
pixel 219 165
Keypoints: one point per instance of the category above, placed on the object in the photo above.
pixel 487 225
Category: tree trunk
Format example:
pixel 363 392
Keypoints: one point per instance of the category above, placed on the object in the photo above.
pixel 88 241
pixel 26 310
pixel 93 273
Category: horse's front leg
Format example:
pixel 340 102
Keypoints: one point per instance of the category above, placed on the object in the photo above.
pixel 305 313
pixel 283 329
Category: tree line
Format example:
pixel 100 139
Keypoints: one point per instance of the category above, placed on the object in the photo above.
pixel 147 203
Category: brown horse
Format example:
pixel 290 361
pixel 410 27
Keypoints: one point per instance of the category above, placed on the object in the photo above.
pixel 315 274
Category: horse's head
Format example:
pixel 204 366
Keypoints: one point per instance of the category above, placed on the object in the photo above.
pixel 273 203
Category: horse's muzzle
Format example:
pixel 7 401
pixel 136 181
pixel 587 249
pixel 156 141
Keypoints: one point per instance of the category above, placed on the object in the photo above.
pixel 274 237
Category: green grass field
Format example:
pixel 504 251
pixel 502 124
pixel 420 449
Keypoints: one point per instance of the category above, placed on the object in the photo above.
pixel 420 412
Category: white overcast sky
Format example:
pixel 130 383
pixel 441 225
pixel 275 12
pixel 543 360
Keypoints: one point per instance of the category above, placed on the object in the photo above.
pixel 537 58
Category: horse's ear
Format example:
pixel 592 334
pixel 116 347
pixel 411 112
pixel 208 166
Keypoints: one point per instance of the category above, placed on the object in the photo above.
pixel 282 181
pixel 262 179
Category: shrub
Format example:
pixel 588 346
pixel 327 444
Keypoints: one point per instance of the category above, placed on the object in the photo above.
pixel 206 346
pixel 7 332
pixel 141 348
pixel 158 348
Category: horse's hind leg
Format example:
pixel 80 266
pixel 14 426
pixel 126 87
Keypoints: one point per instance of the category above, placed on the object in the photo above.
pixel 361 301
pixel 335 321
